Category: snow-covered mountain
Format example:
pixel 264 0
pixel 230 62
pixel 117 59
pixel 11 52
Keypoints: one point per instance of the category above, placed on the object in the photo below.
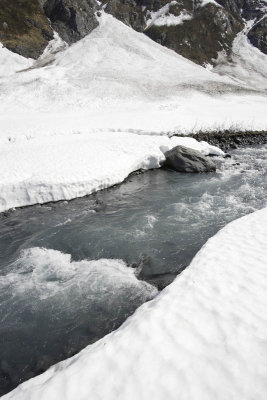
pixel 196 29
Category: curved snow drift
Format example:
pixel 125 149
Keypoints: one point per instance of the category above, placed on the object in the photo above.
pixel 204 337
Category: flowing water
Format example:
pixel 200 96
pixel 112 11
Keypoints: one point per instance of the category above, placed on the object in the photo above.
pixel 63 283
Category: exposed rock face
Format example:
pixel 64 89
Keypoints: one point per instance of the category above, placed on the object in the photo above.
pixel 195 31
pixel 72 19
pixel 129 12
pixel 251 10
pixel 258 35
pixel 183 159
pixel 211 30
pixel 24 27
pixel 247 9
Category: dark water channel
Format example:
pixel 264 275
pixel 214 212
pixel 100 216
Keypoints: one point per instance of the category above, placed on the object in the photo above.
pixel 63 283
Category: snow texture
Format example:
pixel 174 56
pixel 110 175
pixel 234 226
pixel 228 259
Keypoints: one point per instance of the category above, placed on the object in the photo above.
pixel 163 17
pixel 203 3
pixel 203 337
pixel 69 166
pixel 247 63
pixel 170 19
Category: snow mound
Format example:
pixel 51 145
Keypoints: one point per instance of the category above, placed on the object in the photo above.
pixel 204 337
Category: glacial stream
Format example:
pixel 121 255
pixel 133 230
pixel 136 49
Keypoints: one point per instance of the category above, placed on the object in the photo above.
pixel 70 272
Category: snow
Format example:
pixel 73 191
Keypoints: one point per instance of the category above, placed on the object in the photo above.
pixel 64 167
pixel 203 3
pixel 163 17
pixel 111 65
pixel 81 118
pixel 247 63
pixel 203 337
pixel 11 62
pixel 171 20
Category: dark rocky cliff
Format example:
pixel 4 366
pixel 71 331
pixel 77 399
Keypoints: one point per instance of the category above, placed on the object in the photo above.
pixel 258 35
pixel 204 32
pixel 72 19
pixel 24 28
pixel 196 30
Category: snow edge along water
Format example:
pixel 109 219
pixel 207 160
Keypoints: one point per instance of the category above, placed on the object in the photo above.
pixel 204 334
pixel 66 167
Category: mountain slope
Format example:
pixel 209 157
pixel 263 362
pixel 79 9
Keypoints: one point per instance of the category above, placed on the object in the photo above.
pixel 112 63
pixel 116 78
pixel 197 29
pixel 83 118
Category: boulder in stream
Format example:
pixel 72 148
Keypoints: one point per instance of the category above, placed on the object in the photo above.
pixel 183 159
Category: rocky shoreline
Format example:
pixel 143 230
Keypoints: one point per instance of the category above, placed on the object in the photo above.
pixel 227 140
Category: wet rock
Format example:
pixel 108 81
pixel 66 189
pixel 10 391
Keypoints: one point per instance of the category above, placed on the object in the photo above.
pixel 183 159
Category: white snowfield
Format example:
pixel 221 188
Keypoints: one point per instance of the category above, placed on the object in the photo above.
pixel 83 118
pixel 203 338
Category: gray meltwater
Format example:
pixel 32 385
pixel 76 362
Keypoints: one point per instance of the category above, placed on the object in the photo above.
pixel 55 298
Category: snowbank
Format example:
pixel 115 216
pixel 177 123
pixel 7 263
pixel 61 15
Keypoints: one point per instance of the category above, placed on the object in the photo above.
pixel 204 337
pixel 64 167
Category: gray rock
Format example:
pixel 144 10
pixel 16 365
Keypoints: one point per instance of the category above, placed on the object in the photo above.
pixel 258 35
pixel 183 159
pixel 72 19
